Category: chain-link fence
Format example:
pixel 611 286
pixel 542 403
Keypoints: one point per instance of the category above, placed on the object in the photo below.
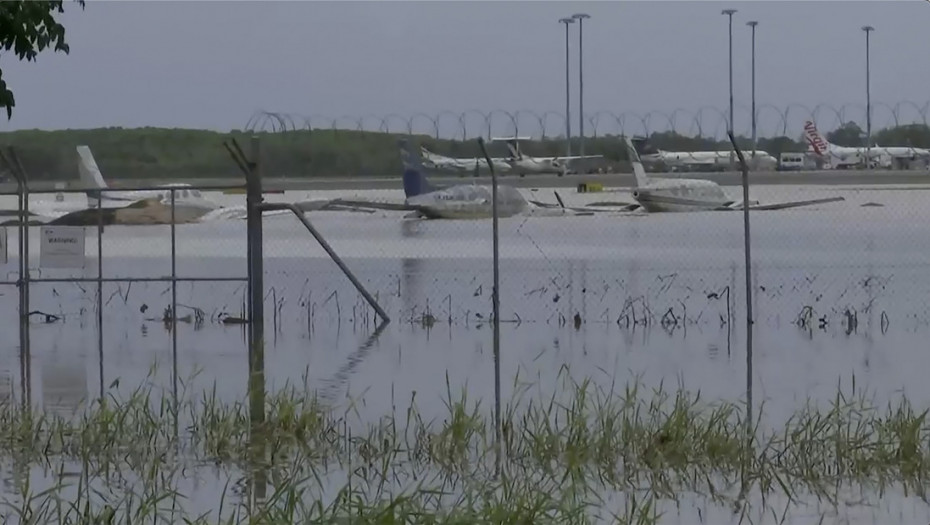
pixel 591 289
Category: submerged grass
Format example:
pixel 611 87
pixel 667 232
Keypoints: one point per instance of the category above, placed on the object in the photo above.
pixel 620 454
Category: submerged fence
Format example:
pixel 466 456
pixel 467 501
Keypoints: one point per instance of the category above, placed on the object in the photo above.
pixel 564 294
pixel 114 254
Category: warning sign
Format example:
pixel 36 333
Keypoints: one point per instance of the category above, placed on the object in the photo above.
pixel 62 247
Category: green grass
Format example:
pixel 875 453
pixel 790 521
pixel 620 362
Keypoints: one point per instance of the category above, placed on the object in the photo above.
pixel 127 459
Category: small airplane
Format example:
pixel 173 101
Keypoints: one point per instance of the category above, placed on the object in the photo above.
pixel 846 155
pixel 524 164
pixel 681 195
pixel 461 165
pixel 189 204
pixel 467 201
pixel 690 160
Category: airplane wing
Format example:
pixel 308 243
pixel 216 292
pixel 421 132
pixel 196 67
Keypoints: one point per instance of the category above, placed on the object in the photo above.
pixel 372 205
pixel 590 209
pixel 795 204
pixel 576 157
pixel 784 205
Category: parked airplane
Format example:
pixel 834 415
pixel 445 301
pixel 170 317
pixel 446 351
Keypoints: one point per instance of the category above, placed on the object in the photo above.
pixel 693 160
pixel 467 201
pixel 524 164
pixel 677 195
pixel 461 165
pixel 846 155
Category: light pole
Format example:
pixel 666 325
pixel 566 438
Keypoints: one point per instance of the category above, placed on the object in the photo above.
pixel 568 120
pixel 753 25
pixel 868 99
pixel 729 12
pixel 580 17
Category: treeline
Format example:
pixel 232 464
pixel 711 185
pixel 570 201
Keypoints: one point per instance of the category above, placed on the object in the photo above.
pixel 166 154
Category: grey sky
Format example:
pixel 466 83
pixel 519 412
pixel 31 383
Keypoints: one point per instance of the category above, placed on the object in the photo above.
pixel 211 64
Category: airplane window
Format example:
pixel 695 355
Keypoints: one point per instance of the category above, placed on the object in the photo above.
pixel 195 193
pixel 184 194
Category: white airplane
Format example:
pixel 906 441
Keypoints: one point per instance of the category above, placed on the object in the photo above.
pixel 680 195
pixel 676 160
pixel 467 201
pixel 461 165
pixel 524 164
pixel 846 155
pixel 189 204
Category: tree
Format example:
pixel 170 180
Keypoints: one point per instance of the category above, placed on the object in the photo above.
pixel 849 134
pixel 28 27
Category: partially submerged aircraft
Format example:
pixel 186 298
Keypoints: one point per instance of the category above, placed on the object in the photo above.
pixel 189 204
pixel 461 165
pixel 839 156
pixel 467 201
pixel 110 207
pixel 524 164
pixel 699 160
pixel 679 195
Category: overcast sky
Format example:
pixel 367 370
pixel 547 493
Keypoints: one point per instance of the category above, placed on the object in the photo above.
pixel 212 64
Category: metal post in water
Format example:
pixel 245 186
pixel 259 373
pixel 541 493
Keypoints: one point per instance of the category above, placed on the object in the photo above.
pixel 100 287
pixel 273 206
pixel 16 167
pixel 174 313
pixel 256 321
pixel 747 245
pixel 23 270
pixel 496 306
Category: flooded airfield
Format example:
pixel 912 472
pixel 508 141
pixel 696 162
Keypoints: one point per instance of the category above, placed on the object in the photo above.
pixel 841 293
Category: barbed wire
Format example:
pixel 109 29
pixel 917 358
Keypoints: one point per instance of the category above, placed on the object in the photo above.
pixel 706 122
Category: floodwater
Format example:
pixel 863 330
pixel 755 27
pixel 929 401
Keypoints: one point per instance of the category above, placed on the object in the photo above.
pixel 610 296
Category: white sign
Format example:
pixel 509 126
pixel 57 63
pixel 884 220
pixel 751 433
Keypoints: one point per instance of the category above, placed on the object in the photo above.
pixel 62 247
pixel 4 250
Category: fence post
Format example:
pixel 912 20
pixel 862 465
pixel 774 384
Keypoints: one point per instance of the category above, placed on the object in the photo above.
pixel 100 289
pixel 22 281
pixel 174 311
pixel 496 307
pixel 257 318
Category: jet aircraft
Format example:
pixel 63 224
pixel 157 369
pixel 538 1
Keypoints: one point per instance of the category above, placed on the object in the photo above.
pixel 681 195
pixel 844 155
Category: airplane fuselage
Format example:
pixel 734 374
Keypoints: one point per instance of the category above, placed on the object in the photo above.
pixel 536 165
pixel 469 201
pixel 189 204
pixel 462 165
pixel 681 195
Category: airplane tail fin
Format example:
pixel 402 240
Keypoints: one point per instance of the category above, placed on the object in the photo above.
pixel 642 146
pixel 638 171
pixel 816 140
pixel 415 182
pixel 87 167
pixel 514 148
